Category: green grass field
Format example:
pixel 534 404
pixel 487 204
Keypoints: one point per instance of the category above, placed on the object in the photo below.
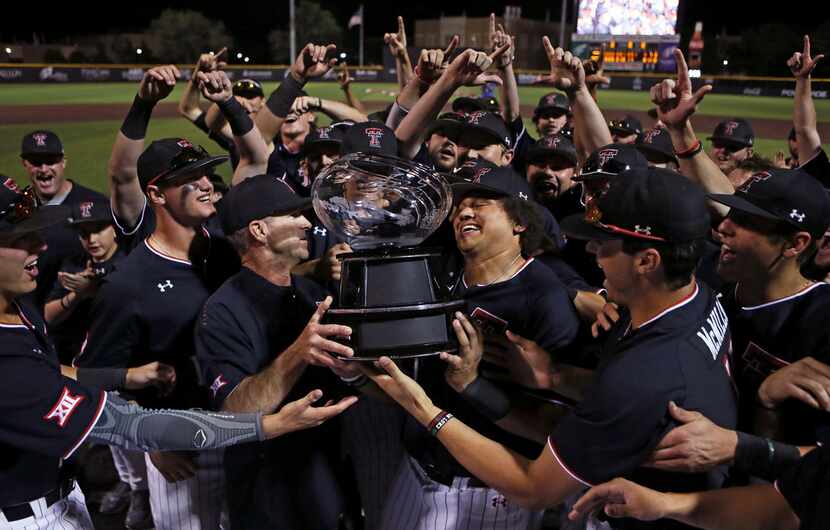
pixel 88 143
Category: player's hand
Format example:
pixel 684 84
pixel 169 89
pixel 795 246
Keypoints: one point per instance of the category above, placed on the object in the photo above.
pixel 160 375
pixel 605 319
pixel 83 284
pixel 174 465
pixel 498 37
pixel 158 82
pixel 675 100
pixel 802 63
pixel 806 380
pixel 305 104
pixel 566 70
pixel 400 387
pixel 432 63
pixel 343 76
pixel 313 345
pixel 396 41
pixel 469 68
pixel 697 445
pixel 215 85
pixel 329 267
pixel 462 369
pixel 313 61
pixel 208 62
pixel 302 414
pixel 622 498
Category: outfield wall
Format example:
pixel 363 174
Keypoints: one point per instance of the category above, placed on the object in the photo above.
pixel 80 73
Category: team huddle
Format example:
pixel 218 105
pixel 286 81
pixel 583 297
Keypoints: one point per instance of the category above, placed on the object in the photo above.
pixel 641 343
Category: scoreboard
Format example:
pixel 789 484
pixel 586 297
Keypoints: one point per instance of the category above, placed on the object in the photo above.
pixel 628 53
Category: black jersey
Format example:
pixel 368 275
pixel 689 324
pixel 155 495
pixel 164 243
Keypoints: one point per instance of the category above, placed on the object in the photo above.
pixel 680 355
pixel 770 336
pixel 44 417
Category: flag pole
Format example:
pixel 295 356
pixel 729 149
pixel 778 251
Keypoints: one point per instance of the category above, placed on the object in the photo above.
pixel 361 34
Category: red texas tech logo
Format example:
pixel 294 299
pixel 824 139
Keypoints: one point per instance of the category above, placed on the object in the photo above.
pixel 40 139
pixel 86 209
pixel 607 154
pixel 757 177
pixel 374 134
pixel 729 127
pixel 63 409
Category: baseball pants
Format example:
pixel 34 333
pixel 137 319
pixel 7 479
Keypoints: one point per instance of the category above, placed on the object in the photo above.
pixel 69 513
pixel 416 502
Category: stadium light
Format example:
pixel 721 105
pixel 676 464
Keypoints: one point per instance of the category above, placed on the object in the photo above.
pixel 139 51
pixel 247 59
pixel 239 55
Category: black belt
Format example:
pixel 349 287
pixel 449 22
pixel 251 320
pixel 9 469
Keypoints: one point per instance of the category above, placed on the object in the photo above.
pixel 23 510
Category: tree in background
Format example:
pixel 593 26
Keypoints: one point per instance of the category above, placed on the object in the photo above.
pixel 313 23
pixel 181 35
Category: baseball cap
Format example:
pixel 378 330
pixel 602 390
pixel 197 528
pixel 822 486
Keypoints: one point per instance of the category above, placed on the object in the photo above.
pixel 790 196
pixel 735 131
pixel 449 124
pixel 165 160
pixel 20 212
pixel 655 144
pixel 552 102
pixel 248 88
pixel 41 142
pixel 652 204
pixel 255 198
pixel 483 177
pixel 94 211
pixel 322 137
pixel 626 126
pixel 611 160
pixel 369 137
pixel 466 104
pixel 558 145
pixel 485 128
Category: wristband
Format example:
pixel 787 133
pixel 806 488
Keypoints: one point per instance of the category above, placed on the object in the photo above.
pixel 763 457
pixel 281 99
pixel 103 378
pixel 692 151
pixel 138 118
pixel 236 115
pixel 438 422
pixel 487 398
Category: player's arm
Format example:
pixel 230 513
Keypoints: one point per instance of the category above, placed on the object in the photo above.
pixel 313 61
pixel 509 89
pixel 126 196
pixel 335 110
pixel 758 507
pixel 804 110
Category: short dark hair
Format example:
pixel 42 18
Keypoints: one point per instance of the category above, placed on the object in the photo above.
pixel 679 259
pixel 526 214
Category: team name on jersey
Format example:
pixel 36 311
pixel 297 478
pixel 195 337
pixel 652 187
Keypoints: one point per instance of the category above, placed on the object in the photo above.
pixel 714 331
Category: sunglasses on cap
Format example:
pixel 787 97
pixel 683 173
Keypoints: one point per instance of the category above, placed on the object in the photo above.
pixel 186 156
pixel 39 160
pixel 22 208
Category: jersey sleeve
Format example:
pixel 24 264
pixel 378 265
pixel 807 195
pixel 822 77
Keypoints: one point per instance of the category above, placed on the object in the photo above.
pixel 618 425
pixel 223 350
pixel 115 328
pixel 805 486
pixel 52 417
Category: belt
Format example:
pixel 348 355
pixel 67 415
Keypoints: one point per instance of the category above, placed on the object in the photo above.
pixel 23 510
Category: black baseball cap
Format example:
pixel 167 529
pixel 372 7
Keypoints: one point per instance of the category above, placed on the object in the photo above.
pixel 485 128
pixel 257 198
pixel 558 145
pixel 552 102
pixel 369 137
pixel 173 161
pixel 466 104
pixel 651 204
pixel 248 88
pixel 20 213
pixel 94 211
pixel 450 124
pixel 791 196
pixel 478 176
pixel 735 131
pixel 655 144
pixel 626 126
pixel 41 143
pixel 322 137
pixel 610 161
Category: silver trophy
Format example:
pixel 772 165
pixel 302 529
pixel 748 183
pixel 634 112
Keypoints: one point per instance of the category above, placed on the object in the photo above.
pixel 383 206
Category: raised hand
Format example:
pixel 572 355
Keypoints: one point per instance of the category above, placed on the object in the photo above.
pixel 462 369
pixel 432 63
pixel 158 82
pixel 314 346
pixel 314 61
pixel 675 100
pixel 470 66
pixel 209 62
pixel 215 85
pixel 566 70
pixel 802 63
pixel 396 41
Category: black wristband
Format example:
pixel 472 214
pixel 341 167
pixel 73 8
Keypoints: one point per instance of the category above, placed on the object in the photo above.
pixel 237 116
pixel 103 378
pixel 763 457
pixel 138 118
pixel 281 99
pixel 489 399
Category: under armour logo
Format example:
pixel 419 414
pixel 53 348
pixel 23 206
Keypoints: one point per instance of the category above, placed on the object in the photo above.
pixel 320 231
pixel 729 127
pixel 218 383
pixel 606 154
pixel 64 408
pixel 757 177
pixel 645 230
pixel 475 117
pixel 40 139
pixel 498 501
pixel 164 286
pixel 374 134
pixel 523 195
pixel 798 216
pixel 86 209
pixel 648 137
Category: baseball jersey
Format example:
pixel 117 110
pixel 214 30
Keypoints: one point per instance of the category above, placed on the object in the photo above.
pixel 44 417
pixel 806 487
pixel 680 355
pixel 770 336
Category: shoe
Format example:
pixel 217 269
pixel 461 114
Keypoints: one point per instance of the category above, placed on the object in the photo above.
pixel 116 500
pixel 139 516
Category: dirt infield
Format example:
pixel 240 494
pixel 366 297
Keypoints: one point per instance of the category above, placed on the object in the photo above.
pixel 21 114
